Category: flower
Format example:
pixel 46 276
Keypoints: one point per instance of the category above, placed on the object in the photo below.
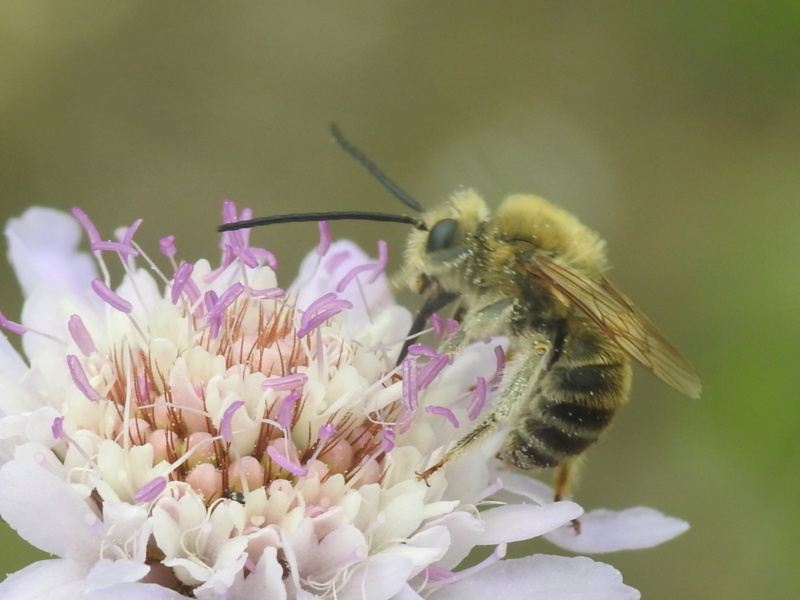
pixel 206 433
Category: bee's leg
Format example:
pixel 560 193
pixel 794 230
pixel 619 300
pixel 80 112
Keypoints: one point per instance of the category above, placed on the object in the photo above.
pixel 432 304
pixel 479 324
pixel 564 477
pixel 517 390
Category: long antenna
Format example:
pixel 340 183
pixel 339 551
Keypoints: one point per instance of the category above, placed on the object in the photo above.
pixel 353 215
pixel 370 166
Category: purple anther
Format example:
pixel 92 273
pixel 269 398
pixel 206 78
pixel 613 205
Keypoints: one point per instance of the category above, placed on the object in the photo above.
pixel 320 311
pixel 383 260
pixel 111 297
pixel 422 350
pixel 284 463
pixel 222 303
pixel 287 408
pixel 326 432
pixel 118 247
pixel 166 246
pixel 478 399
pixel 500 357
pixel 180 280
pixel 387 440
pixel 352 274
pixel 438 325
pixel 151 490
pixel 88 226
pixel 410 387
pixel 431 369
pixel 80 335
pixel 226 426
pixel 58 428
pixel 443 412
pixel 80 380
pixel 12 326
pixel 324 238
pixel 130 232
pixel 268 293
pixel 229 212
pixel 285 383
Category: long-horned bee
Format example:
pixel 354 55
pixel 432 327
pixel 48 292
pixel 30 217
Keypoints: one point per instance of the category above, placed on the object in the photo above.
pixel 533 272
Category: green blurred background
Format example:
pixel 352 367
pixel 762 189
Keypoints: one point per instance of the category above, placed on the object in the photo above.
pixel 671 128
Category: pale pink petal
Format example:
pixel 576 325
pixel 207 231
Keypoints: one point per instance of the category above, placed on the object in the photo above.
pixel 516 522
pixel 540 576
pixel 133 591
pixel 604 530
pixel 407 593
pixel 28 495
pixel 42 248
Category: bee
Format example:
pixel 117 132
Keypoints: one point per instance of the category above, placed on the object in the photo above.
pixel 532 272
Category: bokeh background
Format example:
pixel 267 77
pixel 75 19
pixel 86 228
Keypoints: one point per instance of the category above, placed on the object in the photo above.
pixel 673 128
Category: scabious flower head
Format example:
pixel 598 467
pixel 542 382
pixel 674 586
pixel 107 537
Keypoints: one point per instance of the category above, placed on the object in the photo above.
pixel 199 431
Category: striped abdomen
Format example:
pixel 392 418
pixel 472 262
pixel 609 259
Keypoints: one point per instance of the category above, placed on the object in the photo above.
pixel 572 405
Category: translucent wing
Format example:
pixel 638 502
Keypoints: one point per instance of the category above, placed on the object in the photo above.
pixel 619 318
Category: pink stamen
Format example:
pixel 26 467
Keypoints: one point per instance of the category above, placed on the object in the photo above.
pixel 81 335
pixel 88 226
pixel 58 428
pixel 150 491
pixel 182 276
pixel 320 311
pixel 387 440
pixel 287 406
pixel 117 247
pixel 451 326
pixel 383 259
pixel 478 399
pixel 498 553
pixel 80 380
pixel 12 326
pixel 436 573
pixel 284 463
pixel 438 326
pixel 268 293
pixel 166 246
pixel 443 412
pixel 352 274
pixel 431 369
pixel 226 426
pixel 422 350
pixel 110 297
pixel 326 432
pixel 324 238
pixel 227 298
pixel 410 387
pixel 286 382
pixel 131 231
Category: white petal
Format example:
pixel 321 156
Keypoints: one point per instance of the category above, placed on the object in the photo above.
pixel 515 522
pixel 12 365
pixel 106 573
pixel 133 591
pixel 29 495
pixel 55 579
pixel 610 531
pixel 407 593
pixel 378 578
pixel 42 247
pixel 541 576
pixel 266 581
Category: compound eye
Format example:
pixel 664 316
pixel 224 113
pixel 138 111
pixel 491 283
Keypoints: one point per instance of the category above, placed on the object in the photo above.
pixel 442 235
